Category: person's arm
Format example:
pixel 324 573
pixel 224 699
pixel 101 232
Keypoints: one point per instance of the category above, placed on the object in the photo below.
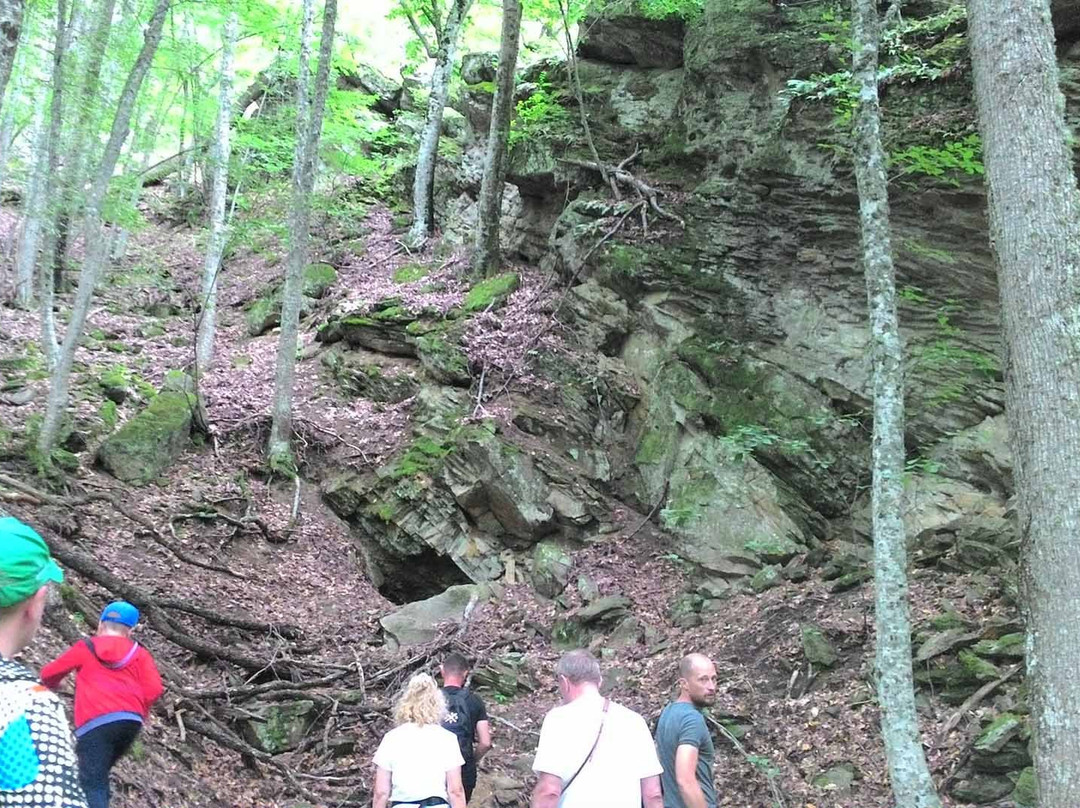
pixel 483 739
pixel 382 788
pixel 454 789
pixel 686 760
pixel 652 796
pixel 150 679
pixel 52 675
pixel 547 792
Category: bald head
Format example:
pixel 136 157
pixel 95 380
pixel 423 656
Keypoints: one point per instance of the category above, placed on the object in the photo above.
pixel 697 680
pixel 692 661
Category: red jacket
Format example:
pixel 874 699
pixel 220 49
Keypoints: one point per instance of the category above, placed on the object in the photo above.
pixel 100 690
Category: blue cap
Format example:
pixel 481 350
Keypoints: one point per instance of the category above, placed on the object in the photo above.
pixel 122 612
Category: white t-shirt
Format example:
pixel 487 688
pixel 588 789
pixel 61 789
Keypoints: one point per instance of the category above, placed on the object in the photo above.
pixel 418 758
pixel 624 755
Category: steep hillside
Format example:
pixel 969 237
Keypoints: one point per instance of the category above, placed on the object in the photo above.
pixel 649 435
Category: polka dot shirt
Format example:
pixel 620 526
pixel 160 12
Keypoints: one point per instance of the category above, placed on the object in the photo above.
pixel 38 768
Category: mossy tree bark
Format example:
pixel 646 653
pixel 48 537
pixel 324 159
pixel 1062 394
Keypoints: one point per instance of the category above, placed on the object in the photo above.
pixel 97 245
pixel 908 771
pixel 309 119
pixel 447 35
pixel 488 255
pixel 1035 233
pixel 219 161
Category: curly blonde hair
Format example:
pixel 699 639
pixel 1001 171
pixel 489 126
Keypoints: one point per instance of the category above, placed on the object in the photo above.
pixel 421 702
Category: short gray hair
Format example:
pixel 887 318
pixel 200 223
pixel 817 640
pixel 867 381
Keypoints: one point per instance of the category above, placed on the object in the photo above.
pixel 579 666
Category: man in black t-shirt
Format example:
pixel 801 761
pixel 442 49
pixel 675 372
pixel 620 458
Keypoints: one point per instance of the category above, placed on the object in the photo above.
pixel 465 717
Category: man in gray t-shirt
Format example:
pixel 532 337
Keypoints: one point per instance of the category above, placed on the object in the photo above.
pixel 683 742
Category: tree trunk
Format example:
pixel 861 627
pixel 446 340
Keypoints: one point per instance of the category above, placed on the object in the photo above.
pixel 1035 233
pixel 424 181
pixel 309 117
pixel 219 158
pixel 8 129
pixel 488 256
pixel 11 17
pixel 46 288
pixel 96 243
pixel 33 212
pixel 908 770
pixel 84 132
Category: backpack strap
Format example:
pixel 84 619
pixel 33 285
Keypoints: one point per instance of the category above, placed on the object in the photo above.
pixel 588 757
pixel 113 666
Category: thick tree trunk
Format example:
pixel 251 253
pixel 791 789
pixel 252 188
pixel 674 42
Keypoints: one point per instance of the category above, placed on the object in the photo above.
pixel 427 156
pixel 309 118
pixel 96 243
pixel 11 17
pixel 33 213
pixel 219 158
pixel 488 256
pixel 1035 232
pixel 908 770
pixel 84 131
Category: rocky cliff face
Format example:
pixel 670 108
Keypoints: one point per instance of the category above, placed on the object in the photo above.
pixel 731 392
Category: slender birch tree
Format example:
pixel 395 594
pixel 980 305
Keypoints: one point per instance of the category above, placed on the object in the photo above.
pixel 46 279
pixel 1035 235
pixel 219 161
pixel 11 18
pixel 908 771
pixel 84 130
pixel 488 255
pixel 97 245
pixel 33 211
pixel 447 30
pixel 309 118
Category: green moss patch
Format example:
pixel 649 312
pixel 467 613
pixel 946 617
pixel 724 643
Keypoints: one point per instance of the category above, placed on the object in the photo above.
pixel 410 273
pixel 491 292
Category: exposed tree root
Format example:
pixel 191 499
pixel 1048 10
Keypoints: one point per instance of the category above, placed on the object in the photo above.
pixel 619 174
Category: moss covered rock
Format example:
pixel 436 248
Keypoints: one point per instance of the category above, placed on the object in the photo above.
pixel 276 728
pixel 817 648
pixel 491 292
pixel 551 568
pixel 148 444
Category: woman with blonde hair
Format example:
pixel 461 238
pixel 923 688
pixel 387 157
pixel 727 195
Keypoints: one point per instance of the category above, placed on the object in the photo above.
pixel 419 762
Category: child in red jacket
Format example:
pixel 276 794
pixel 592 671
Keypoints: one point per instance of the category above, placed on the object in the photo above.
pixel 116 683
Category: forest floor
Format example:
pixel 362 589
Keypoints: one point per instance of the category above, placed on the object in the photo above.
pixel 798 723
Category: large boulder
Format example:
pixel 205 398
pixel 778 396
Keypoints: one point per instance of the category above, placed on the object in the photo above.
pixel 418 622
pixel 633 39
pixel 146 445
pixel 370 81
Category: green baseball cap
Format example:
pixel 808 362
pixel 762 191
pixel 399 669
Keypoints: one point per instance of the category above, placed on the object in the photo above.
pixel 25 562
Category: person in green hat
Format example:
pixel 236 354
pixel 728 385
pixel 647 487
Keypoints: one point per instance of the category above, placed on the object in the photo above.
pixel 38 768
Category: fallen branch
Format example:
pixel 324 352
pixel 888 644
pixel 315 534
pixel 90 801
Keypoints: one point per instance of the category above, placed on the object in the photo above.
pixel 515 727
pixel 286 630
pixel 777 796
pixel 972 702
pixel 123 510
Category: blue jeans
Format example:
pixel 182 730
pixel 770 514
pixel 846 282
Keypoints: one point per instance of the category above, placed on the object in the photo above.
pixel 98 750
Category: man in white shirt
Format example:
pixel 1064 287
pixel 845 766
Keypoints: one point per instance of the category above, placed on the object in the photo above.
pixel 593 753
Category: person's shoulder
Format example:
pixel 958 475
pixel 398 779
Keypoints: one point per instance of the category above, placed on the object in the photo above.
pixel 12 671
